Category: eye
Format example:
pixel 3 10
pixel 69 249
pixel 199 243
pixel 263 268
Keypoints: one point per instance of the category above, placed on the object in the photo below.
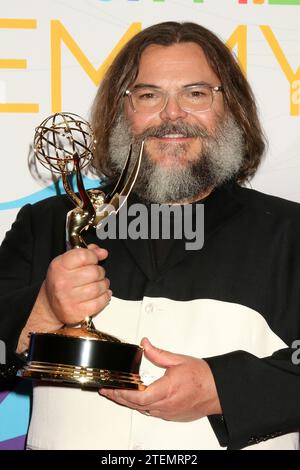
pixel 196 93
pixel 147 96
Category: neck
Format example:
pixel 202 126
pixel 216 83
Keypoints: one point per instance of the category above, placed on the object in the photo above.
pixel 198 197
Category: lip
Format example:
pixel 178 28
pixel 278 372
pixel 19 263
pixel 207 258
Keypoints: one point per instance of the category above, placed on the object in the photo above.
pixel 174 139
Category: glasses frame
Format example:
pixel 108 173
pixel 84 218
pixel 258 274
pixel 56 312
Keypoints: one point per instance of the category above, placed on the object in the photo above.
pixel 215 89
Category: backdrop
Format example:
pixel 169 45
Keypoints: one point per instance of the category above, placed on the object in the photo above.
pixel 53 54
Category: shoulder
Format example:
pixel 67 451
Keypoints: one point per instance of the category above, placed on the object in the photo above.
pixel 55 203
pixel 267 204
pixel 48 211
pixel 54 207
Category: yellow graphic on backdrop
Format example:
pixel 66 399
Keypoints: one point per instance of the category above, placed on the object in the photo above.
pixel 239 38
pixel 59 35
pixel 12 23
pixel 293 77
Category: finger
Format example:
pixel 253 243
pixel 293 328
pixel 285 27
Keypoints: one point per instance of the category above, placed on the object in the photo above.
pixel 66 280
pixel 148 410
pixel 90 291
pixel 116 396
pixel 86 275
pixel 153 413
pixel 155 392
pixel 95 306
pixel 160 357
pixel 101 253
pixel 77 258
pixel 163 408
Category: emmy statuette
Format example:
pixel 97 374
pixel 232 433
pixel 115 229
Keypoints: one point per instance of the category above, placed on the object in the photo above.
pixel 82 356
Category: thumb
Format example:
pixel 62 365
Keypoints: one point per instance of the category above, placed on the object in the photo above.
pixel 160 357
pixel 101 253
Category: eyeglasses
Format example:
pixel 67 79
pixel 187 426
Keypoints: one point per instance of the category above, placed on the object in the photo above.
pixel 193 98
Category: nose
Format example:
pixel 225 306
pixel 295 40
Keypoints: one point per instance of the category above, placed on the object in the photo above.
pixel 172 111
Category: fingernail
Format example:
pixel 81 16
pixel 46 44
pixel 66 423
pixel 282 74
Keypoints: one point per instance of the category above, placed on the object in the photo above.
pixel 146 339
pixel 110 293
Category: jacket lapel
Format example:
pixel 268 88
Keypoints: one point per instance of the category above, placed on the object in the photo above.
pixel 219 207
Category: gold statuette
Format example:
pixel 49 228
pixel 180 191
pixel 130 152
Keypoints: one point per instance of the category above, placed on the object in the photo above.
pixel 82 356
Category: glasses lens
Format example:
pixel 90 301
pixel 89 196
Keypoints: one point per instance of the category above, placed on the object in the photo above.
pixel 196 98
pixel 151 100
pixel 147 100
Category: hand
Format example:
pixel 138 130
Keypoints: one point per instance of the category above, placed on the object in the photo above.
pixel 186 391
pixel 75 286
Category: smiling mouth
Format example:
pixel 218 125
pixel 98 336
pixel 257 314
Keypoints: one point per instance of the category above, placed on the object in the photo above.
pixel 174 137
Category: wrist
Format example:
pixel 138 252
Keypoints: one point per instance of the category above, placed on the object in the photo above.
pixel 41 320
pixel 214 405
pixel 42 311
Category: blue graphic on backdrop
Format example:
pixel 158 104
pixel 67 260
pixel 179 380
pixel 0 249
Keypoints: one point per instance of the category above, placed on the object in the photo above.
pixel 49 191
pixel 15 403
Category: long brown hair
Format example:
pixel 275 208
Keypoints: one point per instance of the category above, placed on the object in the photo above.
pixel 123 71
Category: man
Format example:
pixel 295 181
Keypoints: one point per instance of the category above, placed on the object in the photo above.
pixel 234 302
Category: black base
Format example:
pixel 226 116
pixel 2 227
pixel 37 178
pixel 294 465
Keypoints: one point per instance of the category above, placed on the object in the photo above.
pixel 84 362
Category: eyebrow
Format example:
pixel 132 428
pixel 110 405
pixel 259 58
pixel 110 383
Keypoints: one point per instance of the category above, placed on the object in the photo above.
pixel 155 87
pixel 197 84
pixel 145 85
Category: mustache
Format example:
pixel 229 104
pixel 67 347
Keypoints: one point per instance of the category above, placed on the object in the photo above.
pixel 187 130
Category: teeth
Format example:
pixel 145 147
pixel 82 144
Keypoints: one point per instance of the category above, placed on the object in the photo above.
pixel 173 136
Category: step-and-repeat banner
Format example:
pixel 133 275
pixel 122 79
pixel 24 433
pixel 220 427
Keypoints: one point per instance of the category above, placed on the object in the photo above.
pixel 53 54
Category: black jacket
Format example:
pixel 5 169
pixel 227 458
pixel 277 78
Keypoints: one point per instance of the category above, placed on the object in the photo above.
pixel 250 257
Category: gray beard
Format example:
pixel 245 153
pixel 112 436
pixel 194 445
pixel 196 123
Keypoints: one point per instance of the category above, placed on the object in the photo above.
pixel 218 161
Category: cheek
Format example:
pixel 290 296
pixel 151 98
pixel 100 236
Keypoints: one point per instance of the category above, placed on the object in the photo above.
pixel 209 120
pixel 140 122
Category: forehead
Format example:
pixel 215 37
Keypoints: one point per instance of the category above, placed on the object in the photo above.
pixel 179 63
